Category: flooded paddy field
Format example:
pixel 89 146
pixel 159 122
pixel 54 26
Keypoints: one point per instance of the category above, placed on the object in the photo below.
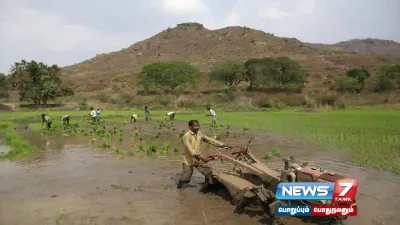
pixel 121 174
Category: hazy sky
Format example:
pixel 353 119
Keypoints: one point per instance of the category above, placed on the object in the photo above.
pixel 68 31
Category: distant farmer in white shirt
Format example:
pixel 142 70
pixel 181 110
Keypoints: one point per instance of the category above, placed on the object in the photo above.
pixel 213 114
pixel 93 114
pixel 65 119
pixel 171 115
pixel 47 120
pixel 134 118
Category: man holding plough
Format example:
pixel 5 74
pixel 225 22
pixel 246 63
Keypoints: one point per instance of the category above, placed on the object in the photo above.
pixel 192 141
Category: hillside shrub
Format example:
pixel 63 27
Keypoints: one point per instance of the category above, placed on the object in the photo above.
pixel 229 72
pixel 389 78
pixel 281 72
pixel 384 84
pixel 360 74
pixel 169 76
pixel 349 85
pixel 264 102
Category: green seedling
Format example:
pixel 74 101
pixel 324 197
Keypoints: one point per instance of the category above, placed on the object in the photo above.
pixel 175 150
pixel 165 147
pixel 181 133
pixel 121 152
pixel 151 148
pixel 106 144
pixel 268 155
pixel 141 139
pixel 158 135
pixel 140 147
pixel 99 132
pixel 276 152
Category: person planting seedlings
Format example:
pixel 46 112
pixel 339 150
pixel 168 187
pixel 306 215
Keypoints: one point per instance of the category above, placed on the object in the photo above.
pixel 171 115
pixel 192 157
pixel 98 112
pixel 65 119
pixel 134 117
pixel 93 114
pixel 214 116
pixel 48 121
pixel 146 113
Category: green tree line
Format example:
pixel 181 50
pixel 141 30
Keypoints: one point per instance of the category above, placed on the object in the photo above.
pixel 353 82
pixel 175 76
pixel 34 81
pixel 279 73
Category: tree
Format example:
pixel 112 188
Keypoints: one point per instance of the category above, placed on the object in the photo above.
pixel 169 76
pixel 258 71
pixel 3 86
pixel 228 72
pixel 384 84
pixel 288 74
pixel 389 78
pixel 279 72
pixel 392 72
pixel 360 74
pixel 38 82
pixel 348 84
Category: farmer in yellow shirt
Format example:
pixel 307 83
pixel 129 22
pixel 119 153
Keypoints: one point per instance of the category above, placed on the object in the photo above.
pixel 192 141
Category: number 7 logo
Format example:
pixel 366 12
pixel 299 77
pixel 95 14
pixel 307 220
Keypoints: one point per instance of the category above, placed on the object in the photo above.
pixel 345 191
pixel 346 188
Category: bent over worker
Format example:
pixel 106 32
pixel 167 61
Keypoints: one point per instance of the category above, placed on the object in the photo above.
pixel 65 119
pixel 48 121
pixel 134 118
pixel 192 141
pixel 171 115
pixel 93 114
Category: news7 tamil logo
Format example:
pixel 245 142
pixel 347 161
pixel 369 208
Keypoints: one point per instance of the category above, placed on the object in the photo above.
pixel 341 191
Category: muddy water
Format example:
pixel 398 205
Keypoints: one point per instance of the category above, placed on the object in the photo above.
pixel 71 182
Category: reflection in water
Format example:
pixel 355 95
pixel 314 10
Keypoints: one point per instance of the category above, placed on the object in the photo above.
pixel 4 149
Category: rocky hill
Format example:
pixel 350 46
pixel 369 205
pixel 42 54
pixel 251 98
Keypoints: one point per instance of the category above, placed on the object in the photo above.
pixel 368 45
pixel 193 43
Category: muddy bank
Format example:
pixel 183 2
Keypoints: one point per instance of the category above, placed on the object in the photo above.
pixel 71 182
